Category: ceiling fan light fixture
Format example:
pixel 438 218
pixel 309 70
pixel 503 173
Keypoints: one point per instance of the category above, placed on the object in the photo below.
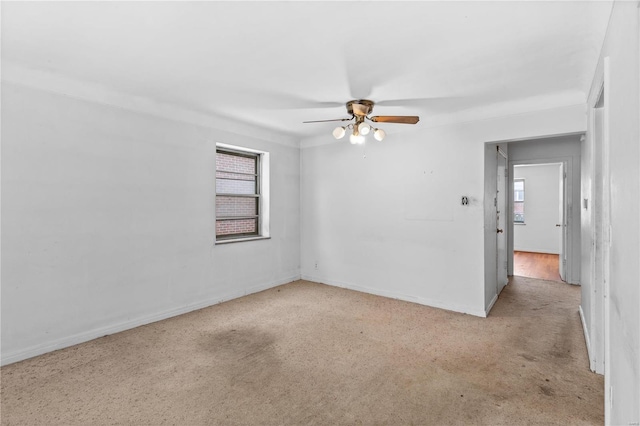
pixel 359 111
pixel 364 128
pixel 339 132
pixel 356 138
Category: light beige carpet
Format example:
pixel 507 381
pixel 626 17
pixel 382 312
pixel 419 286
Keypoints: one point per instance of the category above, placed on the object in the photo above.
pixel 306 353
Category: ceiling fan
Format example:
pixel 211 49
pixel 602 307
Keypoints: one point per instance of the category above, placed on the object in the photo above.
pixel 360 110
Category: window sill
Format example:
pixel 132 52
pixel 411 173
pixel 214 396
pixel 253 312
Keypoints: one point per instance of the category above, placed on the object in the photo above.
pixel 239 240
pixel 519 223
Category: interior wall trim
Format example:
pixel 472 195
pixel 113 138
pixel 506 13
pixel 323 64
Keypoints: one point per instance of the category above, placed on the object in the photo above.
pixel 490 306
pixel 587 340
pixel 399 296
pixel 136 322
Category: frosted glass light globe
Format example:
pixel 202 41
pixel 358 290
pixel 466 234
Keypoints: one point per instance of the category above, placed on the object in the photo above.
pixel 339 132
pixel 364 129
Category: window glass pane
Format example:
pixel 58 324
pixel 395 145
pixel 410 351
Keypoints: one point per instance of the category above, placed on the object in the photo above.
pixel 234 186
pixel 235 163
pixel 518 197
pixel 518 207
pixel 518 190
pixel 236 176
pixel 238 193
pixel 236 206
pixel 236 226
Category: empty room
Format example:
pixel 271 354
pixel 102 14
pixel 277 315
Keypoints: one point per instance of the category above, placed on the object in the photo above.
pixel 299 212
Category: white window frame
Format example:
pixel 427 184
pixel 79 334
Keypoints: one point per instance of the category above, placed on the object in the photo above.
pixel 263 191
pixel 524 197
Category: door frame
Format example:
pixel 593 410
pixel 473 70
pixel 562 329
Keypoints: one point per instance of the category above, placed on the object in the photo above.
pixel 489 209
pixel 502 272
pixel 599 255
pixel 568 206
pixel 564 228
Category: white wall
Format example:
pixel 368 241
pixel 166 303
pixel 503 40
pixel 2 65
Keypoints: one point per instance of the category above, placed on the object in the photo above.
pixel 392 223
pixel 107 221
pixel 622 47
pixel 539 233
pixel 553 150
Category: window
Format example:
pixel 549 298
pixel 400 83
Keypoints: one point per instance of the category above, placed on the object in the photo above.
pixel 241 208
pixel 518 201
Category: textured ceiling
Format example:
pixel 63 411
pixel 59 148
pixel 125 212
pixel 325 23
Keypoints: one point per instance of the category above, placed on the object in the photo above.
pixel 277 64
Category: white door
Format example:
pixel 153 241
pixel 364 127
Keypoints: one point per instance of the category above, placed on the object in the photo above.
pixel 501 221
pixel 562 223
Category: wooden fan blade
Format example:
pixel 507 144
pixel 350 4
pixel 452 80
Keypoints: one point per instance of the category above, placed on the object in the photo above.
pixel 324 121
pixel 402 119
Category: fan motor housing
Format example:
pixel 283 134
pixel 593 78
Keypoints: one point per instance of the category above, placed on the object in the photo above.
pixel 363 107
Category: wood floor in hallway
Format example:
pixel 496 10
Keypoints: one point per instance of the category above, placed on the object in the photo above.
pixel 543 266
pixel 312 354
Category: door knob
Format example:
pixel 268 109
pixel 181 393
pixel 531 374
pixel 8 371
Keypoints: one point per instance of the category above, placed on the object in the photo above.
pixel 499 231
pixel 558 225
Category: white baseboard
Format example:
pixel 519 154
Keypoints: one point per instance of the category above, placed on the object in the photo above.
pixel 393 295
pixel 587 339
pixel 75 339
pixel 493 302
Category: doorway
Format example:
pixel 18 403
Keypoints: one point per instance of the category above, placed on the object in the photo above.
pixel 539 221
pixel 565 149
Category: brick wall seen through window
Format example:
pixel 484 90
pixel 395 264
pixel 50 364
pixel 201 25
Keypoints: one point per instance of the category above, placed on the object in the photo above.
pixel 237 194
